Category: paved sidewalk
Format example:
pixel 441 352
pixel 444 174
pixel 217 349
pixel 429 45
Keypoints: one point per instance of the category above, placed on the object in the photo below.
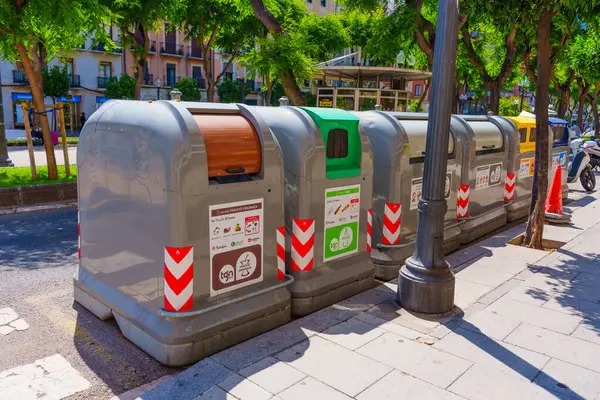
pixel 527 326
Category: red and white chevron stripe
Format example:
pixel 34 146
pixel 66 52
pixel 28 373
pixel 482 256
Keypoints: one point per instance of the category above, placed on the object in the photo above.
pixel 509 187
pixel 281 253
pixel 303 244
pixel 78 235
pixel 392 218
pixel 462 201
pixel 179 278
pixel 369 228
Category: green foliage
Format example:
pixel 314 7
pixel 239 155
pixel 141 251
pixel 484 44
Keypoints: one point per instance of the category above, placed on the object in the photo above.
pixel 189 89
pixel 56 82
pixel 231 91
pixel 508 108
pixel 276 94
pixel 60 25
pixel 120 88
pixel 311 99
pixel 584 56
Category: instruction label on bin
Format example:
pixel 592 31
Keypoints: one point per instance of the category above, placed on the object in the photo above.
pixel 488 175
pixel 236 245
pixel 416 190
pixel 559 159
pixel 342 212
pixel 527 167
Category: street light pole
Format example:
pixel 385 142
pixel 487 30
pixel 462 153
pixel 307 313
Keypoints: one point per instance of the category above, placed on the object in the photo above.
pixel 426 282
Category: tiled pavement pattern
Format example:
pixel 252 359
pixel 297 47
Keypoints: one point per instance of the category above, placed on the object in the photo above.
pixel 527 326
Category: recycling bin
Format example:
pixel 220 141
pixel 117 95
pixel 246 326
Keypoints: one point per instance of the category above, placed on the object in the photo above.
pixel 486 173
pixel 180 205
pixel 328 192
pixel 398 143
pixel 558 154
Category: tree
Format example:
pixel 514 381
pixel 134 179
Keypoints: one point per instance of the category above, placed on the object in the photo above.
pixel 189 89
pixel 33 33
pixel 584 54
pixel 228 25
pixel 489 38
pixel 56 83
pixel 121 88
pixel 231 91
pixel 135 19
pixel 565 17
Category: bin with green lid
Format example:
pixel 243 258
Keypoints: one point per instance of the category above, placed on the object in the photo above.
pixel 329 184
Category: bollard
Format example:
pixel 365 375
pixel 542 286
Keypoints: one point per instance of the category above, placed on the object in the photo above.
pixel 377 107
pixel 175 95
pixel 284 101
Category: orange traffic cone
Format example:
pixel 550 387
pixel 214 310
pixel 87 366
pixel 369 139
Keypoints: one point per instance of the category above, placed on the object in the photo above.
pixel 554 199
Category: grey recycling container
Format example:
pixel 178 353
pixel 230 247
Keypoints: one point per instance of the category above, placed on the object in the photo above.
pixel 328 192
pixel 179 205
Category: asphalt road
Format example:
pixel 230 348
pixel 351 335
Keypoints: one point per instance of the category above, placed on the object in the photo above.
pixel 38 256
pixel 20 156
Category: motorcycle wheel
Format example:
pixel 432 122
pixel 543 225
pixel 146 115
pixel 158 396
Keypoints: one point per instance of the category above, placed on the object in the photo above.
pixel 588 179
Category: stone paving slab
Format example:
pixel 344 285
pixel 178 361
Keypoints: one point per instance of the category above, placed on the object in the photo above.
pixel 419 360
pixel 557 345
pixel 311 388
pixel 484 383
pixel 483 350
pixel 345 370
pixel 397 385
pixel 272 374
pixel 569 380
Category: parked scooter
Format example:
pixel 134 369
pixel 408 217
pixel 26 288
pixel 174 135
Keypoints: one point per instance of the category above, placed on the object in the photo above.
pixel 593 149
pixel 580 167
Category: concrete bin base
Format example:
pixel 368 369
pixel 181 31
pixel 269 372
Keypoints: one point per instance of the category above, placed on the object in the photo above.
pixel 183 341
pixel 388 262
pixel 329 285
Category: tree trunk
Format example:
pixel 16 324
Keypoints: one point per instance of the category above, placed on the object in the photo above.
pixel 423 95
pixel 208 70
pixel 563 105
pixel 494 88
pixel 535 224
pixel 595 95
pixel 140 54
pixel 288 80
pixel 583 92
pixel 291 89
pixel 33 70
pixel 210 91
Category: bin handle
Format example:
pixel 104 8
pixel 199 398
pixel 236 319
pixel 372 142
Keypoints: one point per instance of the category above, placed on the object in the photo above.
pixel 164 313
pixel 239 170
pixel 492 146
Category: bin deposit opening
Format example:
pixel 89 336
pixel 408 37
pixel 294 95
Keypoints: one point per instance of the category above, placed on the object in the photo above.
pixel 233 147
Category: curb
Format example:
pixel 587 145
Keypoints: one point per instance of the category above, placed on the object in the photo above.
pixel 35 195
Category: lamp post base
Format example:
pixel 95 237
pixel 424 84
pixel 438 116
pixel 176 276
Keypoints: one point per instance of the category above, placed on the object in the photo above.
pixel 425 290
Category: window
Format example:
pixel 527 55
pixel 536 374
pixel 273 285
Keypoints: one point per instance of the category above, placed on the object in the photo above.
pixel 418 90
pixel 532 135
pixel 105 69
pixel 170 74
pixel 323 3
pixel 523 134
pixel 337 143
pixel 229 76
pixel 197 72
pixel 309 1
pixel 68 64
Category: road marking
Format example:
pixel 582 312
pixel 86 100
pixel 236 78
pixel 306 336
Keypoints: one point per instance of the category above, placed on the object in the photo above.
pixel 10 321
pixel 49 378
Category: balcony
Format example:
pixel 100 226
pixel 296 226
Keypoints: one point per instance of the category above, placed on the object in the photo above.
pixel 98 47
pixel 102 47
pixel 151 47
pixel 194 52
pixel 74 81
pixel 103 81
pixel 148 80
pixel 19 77
pixel 171 48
